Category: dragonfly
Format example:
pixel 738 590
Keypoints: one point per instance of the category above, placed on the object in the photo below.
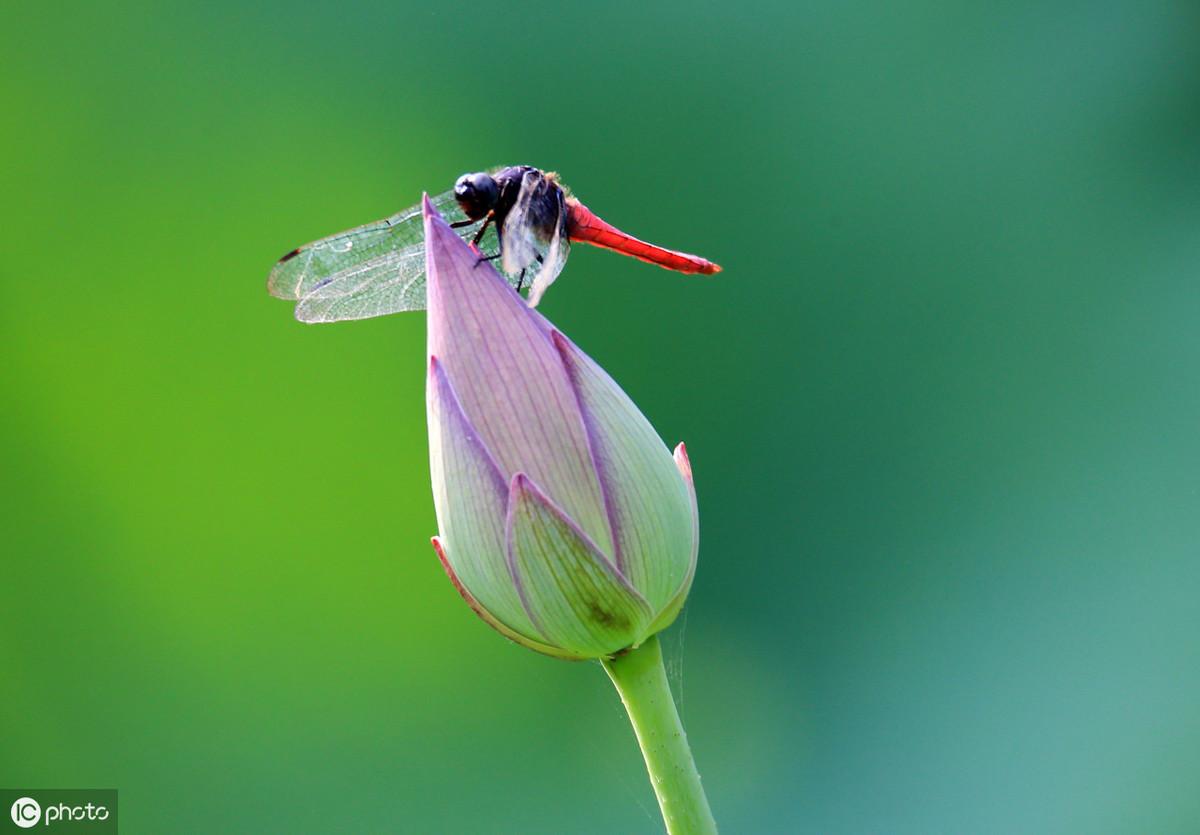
pixel 522 215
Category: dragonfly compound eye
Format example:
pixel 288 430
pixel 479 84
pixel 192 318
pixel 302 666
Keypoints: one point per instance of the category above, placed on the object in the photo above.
pixel 476 194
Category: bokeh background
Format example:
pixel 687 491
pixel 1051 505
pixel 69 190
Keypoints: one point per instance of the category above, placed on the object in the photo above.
pixel 942 406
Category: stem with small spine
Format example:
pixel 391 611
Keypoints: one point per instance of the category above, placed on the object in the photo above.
pixel 641 680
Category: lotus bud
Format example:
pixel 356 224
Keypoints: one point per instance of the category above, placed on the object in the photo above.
pixel 563 519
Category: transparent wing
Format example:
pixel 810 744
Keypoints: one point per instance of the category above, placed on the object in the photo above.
pixel 554 256
pixel 315 265
pixel 519 245
pixel 534 243
pixel 389 283
pixel 372 270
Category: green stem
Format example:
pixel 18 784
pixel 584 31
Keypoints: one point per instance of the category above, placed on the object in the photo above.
pixel 641 680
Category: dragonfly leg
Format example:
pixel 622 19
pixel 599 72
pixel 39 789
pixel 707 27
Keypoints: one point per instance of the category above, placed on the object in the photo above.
pixel 459 224
pixel 487 220
pixel 521 277
pixel 483 258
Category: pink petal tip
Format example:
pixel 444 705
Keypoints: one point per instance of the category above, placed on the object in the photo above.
pixel 683 463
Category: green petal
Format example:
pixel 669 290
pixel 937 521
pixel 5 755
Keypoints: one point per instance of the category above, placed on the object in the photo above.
pixel 471 498
pixel 667 616
pixel 490 619
pixel 648 501
pixel 574 596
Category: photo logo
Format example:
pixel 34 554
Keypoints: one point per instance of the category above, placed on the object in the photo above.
pixel 90 811
pixel 25 812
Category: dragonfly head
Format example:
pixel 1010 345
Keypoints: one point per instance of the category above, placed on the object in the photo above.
pixel 476 194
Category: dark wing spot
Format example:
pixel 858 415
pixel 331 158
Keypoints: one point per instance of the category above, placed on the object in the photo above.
pixel 289 256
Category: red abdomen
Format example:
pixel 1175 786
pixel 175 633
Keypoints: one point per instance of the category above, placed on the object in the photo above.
pixel 585 227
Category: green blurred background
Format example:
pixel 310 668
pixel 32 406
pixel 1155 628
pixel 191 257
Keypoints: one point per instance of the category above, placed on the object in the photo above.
pixel 942 407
